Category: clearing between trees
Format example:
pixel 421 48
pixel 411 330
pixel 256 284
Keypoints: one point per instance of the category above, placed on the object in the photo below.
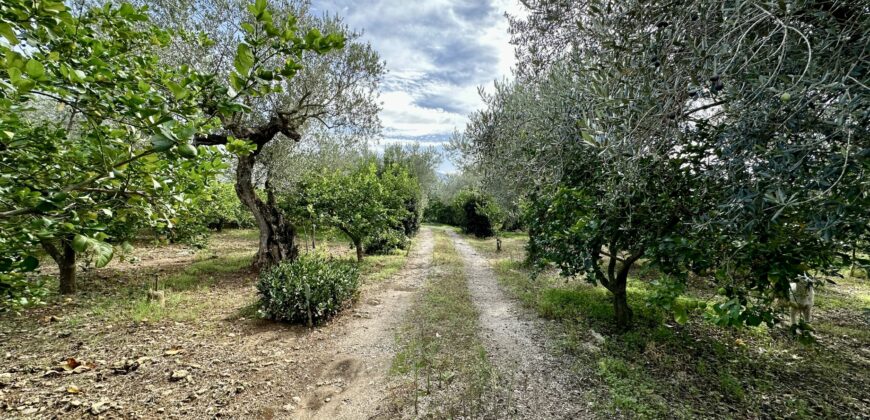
pixel 436 333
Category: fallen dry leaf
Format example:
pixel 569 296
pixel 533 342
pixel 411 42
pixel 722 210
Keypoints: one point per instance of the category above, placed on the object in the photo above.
pixel 173 351
pixel 68 365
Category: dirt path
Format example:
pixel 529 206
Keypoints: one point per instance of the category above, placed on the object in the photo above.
pixel 354 383
pixel 539 385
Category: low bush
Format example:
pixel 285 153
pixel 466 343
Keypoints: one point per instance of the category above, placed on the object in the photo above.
pixel 19 291
pixel 308 290
pixel 469 204
pixel 385 242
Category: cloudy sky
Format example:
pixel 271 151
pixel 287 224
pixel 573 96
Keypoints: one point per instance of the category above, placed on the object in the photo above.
pixel 437 52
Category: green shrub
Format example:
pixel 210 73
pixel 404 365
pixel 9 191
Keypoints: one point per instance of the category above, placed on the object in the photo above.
pixel 18 291
pixel 473 221
pixel 385 242
pixel 439 212
pixel 310 289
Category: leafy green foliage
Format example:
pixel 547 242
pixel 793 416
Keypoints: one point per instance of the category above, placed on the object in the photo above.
pixel 377 210
pixel 725 140
pixel 308 290
pixel 404 191
pixel 439 212
pixel 19 286
pixel 216 207
pixel 91 146
pixel 99 138
pixel 474 210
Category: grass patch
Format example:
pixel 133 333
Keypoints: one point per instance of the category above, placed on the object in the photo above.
pixel 201 274
pixel 179 307
pixel 377 268
pixel 239 234
pixel 445 367
pixel 661 369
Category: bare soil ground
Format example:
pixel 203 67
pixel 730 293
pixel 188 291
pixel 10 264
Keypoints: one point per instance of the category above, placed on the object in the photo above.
pixel 539 384
pixel 205 354
pixel 355 381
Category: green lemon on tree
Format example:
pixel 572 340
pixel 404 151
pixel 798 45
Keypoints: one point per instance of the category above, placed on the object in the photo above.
pixel 187 150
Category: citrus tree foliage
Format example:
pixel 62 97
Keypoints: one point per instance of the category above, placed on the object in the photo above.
pixel 440 204
pixel 221 208
pixel 93 133
pixel 406 199
pixel 334 88
pixel 362 203
pixel 489 209
pixel 95 130
pixel 729 139
pixel 476 213
pixel 215 208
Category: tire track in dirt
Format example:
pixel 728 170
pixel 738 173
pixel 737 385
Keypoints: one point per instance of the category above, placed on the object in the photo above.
pixel 539 385
pixel 354 383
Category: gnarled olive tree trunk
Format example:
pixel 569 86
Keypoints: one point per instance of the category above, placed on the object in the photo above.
pixel 277 234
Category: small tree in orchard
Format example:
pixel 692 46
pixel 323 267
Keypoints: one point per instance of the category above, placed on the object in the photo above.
pixel 716 138
pixel 404 191
pixel 469 206
pixel 492 211
pixel 94 133
pixel 355 202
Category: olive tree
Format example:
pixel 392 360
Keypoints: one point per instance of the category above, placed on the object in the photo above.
pixel 725 138
pixel 334 87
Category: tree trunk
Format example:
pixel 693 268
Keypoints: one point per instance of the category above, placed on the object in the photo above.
pixel 277 235
pixel 66 263
pixel 359 250
pixel 622 310
pixel 617 280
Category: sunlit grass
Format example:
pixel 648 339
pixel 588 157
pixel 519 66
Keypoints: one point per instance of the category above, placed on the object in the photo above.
pixel 378 268
pixel 660 369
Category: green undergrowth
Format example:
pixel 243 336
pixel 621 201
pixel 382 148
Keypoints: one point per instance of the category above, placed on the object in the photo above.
pixel 442 365
pixel 182 290
pixel 378 268
pixel 662 369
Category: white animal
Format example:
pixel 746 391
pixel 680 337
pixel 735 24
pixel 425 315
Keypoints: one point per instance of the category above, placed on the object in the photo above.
pixel 800 298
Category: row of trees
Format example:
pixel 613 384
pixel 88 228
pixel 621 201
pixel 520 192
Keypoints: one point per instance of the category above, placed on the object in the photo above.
pixel 118 117
pixel 376 202
pixel 726 139
pixel 476 212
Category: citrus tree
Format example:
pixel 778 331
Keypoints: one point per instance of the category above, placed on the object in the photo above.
pixel 95 131
pixel 355 202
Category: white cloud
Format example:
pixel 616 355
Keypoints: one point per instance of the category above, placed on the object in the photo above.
pixel 438 53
